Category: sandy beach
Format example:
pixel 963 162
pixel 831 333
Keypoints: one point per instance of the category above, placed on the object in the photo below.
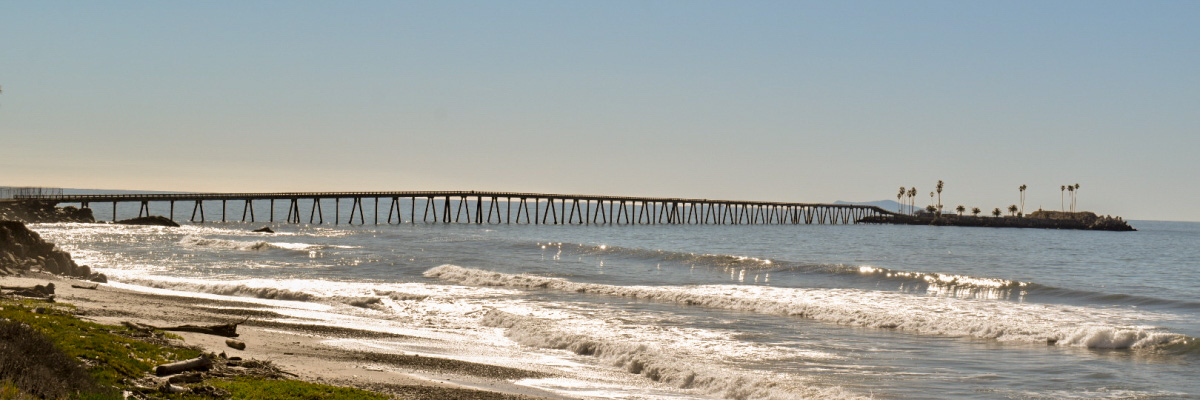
pixel 297 348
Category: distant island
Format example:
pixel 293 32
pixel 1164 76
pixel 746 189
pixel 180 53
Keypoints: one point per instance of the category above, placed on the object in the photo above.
pixel 1038 219
pixel 908 213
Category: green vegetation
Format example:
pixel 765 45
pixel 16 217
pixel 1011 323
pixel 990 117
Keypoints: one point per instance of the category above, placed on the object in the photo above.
pixel 264 389
pixel 49 353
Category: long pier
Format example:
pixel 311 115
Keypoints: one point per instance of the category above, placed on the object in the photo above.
pixel 471 207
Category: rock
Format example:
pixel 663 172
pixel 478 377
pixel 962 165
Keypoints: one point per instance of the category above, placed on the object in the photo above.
pixel 265 229
pixel 98 278
pixel 51 265
pixel 22 250
pixel 156 220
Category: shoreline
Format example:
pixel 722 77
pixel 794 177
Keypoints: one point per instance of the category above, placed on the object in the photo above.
pixel 299 349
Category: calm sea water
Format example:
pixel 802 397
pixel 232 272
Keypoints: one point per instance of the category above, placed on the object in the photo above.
pixel 742 312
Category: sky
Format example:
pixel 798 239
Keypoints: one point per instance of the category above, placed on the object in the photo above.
pixel 804 101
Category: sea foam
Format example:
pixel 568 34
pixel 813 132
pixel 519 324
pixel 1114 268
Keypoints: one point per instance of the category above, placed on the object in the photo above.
pixel 245 245
pixel 658 364
pixel 931 315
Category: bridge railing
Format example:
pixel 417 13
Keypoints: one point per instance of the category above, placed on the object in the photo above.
pixel 9 192
pixel 552 208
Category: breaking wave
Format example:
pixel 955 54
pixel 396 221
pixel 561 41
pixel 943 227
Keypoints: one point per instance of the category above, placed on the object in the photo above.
pixel 934 283
pixel 656 364
pixel 374 299
pixel 1004 321
pixel 226 289
pixel 225 244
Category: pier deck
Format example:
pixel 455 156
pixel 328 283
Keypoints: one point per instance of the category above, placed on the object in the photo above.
pixel 495 208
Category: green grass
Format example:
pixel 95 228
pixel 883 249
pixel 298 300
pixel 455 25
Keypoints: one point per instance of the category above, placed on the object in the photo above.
pixel 113 356
pixel 265 389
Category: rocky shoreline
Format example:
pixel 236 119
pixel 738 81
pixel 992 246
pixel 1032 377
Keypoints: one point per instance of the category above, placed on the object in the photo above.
pixel 1038 219
pixel 39 212
pixel 23 250
pixel 27 262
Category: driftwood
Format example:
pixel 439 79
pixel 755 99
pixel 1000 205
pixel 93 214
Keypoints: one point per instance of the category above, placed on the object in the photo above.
pixel 226 330
pixel 91 287
pixel 198 363
pixel 236 344
pixel 40 291
pixel 190 377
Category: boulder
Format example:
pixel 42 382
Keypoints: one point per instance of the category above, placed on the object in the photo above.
pixel 98 278
pixel 156 220
pixel 22 249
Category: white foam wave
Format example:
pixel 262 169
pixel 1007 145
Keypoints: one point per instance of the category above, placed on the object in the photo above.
pixel 658 364
pixel 198 241
pixel 940 279
pixel 226 289
pixel 358 294
pixel 1005 321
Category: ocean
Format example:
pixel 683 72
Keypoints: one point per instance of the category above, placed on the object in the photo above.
pixel 713 312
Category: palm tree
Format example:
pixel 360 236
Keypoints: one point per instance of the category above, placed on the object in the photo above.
pixel 960 209
pixel 930 208
pixel 1061 196
pixel 975 211
pixel 939 192
pixel 912 199
pixel 1075 197
pixel 1071 188
pixel 1023 187
pixel 1013 209
pixel 996 212
pixel 898 196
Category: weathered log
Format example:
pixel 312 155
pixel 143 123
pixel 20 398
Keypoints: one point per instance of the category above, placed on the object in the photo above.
pixel 226 330
pixel 190 377
pixel 88 287
pixel 237 344
pixel 198 363
pixel 38 291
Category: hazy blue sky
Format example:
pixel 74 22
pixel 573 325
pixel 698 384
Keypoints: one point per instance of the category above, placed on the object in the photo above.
pixel 786 101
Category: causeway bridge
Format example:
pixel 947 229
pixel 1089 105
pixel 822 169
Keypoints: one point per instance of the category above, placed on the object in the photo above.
pixel 472 207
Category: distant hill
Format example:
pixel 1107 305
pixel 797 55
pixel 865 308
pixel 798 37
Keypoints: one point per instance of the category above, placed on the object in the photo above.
pixel 890 205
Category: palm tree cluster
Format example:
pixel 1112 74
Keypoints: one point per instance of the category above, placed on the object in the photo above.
pixel 909 205
pixel 1069 188
pixel 908 202
pixel 907 199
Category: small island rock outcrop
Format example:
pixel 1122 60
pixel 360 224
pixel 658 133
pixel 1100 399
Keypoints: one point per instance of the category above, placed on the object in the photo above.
pixel 155 220
pixel 1038 219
